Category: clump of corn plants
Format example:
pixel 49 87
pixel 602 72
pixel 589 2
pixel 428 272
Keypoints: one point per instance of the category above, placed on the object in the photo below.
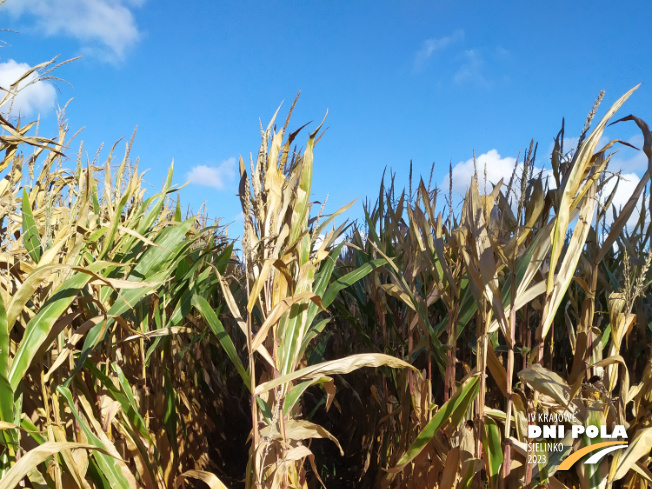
pixel 491 304
pixel 132 338
pixel 98 363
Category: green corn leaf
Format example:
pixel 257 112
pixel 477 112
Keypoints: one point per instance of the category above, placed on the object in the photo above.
pixel 177 210
pixel 35 457
pixel 145 224
pixel 31 236
pixel 96 202
pixel 6 392
pixel 218 330
pixel 150 268
pixel 6 400
pixel 4 343
pixel 33 431
pixel 323 277
pixel 126 402
pixel 302 203
pixel 493 451
pixel 38 328
pixel 108 242
pixel 455 406
pixel 349 279
pixel 312 333
pixel 97 234
pixel 108 465
pixel 297 391
pixel 155 258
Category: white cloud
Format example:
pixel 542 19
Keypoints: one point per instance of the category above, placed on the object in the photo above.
pixel 629 159
pixel 626 186
pixel 498 167
pixel 570 144
pixel 624 159
pixel 431 46
pixel 33 96
pixel 319 241
pixel 214 176
pixel 471 69
pixel 104 27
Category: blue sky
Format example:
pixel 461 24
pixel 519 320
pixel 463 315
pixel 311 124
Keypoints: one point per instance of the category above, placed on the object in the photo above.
pixel 412 80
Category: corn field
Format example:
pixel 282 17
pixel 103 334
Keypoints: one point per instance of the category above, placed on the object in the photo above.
pixel 144 348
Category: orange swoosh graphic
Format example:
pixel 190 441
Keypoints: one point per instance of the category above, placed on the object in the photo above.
pixel 570 460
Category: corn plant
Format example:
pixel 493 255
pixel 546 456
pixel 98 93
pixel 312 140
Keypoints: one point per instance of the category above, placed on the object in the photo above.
pixel 288 259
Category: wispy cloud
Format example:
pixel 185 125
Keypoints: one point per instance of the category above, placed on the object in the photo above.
pixel 33 96
pixel 471 68
pixel 462 64
pixel 431 46
pixel 105 28
pixel 218 177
